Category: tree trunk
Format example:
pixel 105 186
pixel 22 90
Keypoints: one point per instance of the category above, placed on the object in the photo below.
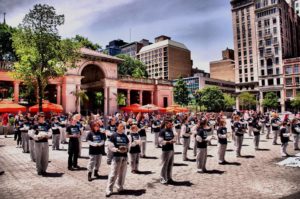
pixel 40 94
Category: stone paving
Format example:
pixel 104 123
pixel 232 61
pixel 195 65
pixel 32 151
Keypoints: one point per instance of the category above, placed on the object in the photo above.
pixel 253 176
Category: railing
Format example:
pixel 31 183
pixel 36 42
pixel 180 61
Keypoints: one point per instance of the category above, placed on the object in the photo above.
pixel 144 80
pixel 6 66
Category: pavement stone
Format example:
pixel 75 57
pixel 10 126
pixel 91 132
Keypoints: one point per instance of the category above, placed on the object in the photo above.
pixel 254 176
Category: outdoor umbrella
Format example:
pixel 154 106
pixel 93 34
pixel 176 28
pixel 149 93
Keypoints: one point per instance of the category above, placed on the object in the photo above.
pixel 9 107
pixel 47 107
pixel 152 108
pixel 131 107
pixel 176 109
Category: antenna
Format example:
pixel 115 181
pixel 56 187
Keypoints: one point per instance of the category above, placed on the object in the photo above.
pixel 129 35
pixel 4 22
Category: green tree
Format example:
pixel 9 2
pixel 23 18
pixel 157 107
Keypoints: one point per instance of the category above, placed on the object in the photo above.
pixel 87 43
pixel 211 97
pixel 296 102
pixel 181 93
pixel 42 53
pixel 131 67
pixel 7 52
pixel 270 100
pixel 121 99
pixel 247 100
pixel 80 97
pixel 229 101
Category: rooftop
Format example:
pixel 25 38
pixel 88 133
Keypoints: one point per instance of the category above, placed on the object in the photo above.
pixel 161 44
pixel 89 52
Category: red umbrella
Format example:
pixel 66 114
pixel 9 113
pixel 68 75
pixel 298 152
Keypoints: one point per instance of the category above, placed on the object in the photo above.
pixel 47 107
pixel 131 107
pixel 9 107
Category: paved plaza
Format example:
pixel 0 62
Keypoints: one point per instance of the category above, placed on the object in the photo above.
pixel 253 176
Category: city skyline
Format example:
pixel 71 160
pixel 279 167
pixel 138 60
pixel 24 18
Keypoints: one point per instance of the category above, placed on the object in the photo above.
pixel 203 26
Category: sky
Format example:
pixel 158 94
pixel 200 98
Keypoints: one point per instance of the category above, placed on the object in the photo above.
pixel 204 26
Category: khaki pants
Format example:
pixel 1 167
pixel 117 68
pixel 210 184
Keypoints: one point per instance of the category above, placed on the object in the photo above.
pixel 177 135
pixel 118 170
pixel 283 149
pixel 94 162
pixel 167 159
pixel 201 159
pixel 239 143
pixel 275 135
pixel 32 150
pixel 185 142
pixel 221 152
pixel 296 141
pixel 134 161
pixel 250 130
pixel 42 156
pixel 63 135
pixel 156 139
pixel 195 147
pixel 143 146
pixel 55 141
pixel 268 132
pixel 256 141
pixel 25 142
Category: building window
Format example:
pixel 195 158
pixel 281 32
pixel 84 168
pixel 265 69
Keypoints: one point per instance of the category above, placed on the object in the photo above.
pixel 241 79
pixel 260 34
pixel 262 63
pixel 296 68
pixel 277 60
pixel 297 80
pixel 262 72
pixel 263 82
pixel 252 79
pixel 270 71
pixel 267 23
pixel 274 20
pixel 268 42
pixel 275 30
pixel 276 50
pixel 246 79
pixel 277 71
pixel 240 71
pixel 259 24
pixel 270 82
pixel 288 70
pixel 288 81
pixel 246 70
pixel 251 70
pixel 289 93
pixel 278 81
pixel 269 62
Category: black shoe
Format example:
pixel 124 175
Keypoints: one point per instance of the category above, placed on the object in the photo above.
pixel 2 172
pixel 170 181
pixel 77 167
pixel 107 195
pixel 90 176
pixel 39 173
pixel 96 174
pixel 70 168
pixel 44 173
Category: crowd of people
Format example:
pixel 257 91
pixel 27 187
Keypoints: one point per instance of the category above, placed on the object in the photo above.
pixel 125 134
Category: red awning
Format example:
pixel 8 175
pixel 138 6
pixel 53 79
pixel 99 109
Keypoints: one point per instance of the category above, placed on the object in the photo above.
pixel 9 107
pixel 47 107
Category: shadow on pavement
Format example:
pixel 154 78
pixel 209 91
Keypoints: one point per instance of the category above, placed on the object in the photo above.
pixel 145 172
pixel 292 196
pixel 53 175
pixel 210 156
pixel 181 183
pixel 2 145
pixel 179 164
pixel 177 153
pixel 262 149
pixel 62 149
pixel 233 163
pixel 80 169
pixel 247 156
pixel 83 157
pixel 214 171
pixel 263 141
pixel 229 150
pixel 150 157
pixel 131 192
pixel 245 145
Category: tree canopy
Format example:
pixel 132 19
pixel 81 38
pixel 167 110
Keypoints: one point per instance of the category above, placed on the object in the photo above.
pixel 229 101
pixel 7 52
pixel 85 42
pixel 181 93
pixel 42 54
pixel 296 102
pixel 131 67
pixel 247 100
pixel 270 100
pixel 211 97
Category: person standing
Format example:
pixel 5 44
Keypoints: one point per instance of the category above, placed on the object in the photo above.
pixel 268 126
pixel 239 130
pixel 134 148
pixel 55 127
pixel 185 137
pixel 222 139
pixel 96 139
pixel 167 140
pixel 142 125
pixel 73 133
pixel 118 144
pixel 110 130
pixel 256 131
pixel 284 137
pixel 5 124
pixel 250 125
pixel 156 126
pixel 275 123
pixel 24 128
pixel 202 139
pixel 177 128
pixel 295 126
pixel 41 136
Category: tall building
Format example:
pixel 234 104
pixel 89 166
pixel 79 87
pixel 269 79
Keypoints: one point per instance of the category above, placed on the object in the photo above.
pixel 265 32
pixel 133 48
pixel 224 69
pixel 166 59
pixel 114 47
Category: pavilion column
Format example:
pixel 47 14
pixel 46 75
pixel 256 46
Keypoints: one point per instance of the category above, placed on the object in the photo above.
pixel 128 97
pixel 78 106
pixel 106 98
pixel 16 91
pixel 152 97
pixel 141 97
pixel 58 94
